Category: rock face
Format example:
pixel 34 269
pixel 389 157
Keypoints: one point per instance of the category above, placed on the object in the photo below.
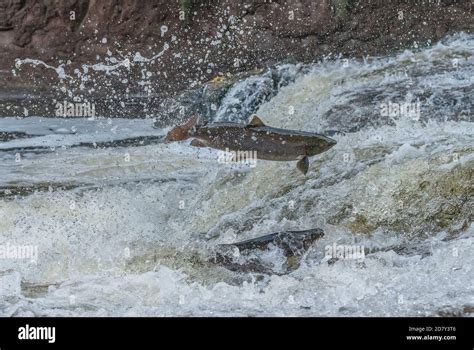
pixel 44 24
pixel 202 39
pixel 48 24
pixel 8 9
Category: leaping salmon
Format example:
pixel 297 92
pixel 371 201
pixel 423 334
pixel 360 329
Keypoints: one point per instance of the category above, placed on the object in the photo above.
pixel 267 142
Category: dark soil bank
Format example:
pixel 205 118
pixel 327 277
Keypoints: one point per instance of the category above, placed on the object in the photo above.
pixel 185 43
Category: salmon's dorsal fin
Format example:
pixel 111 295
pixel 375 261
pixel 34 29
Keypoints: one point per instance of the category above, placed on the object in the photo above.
pixel 254 122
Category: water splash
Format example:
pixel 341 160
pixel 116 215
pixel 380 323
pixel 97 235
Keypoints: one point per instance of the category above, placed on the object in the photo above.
pixel 132 236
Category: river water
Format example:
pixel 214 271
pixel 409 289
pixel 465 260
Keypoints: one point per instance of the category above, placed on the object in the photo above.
pixel 122 223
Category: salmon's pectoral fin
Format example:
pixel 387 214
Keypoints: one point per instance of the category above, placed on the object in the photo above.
pixel 303 165
pixel 198 143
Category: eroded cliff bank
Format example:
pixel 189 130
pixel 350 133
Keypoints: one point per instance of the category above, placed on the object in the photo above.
pixel 151 50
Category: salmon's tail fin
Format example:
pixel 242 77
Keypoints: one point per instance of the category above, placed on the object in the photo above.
pixel 181 132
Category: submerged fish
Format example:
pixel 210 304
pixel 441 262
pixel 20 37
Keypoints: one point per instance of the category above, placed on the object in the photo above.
pixel 267 142
pixel 246 256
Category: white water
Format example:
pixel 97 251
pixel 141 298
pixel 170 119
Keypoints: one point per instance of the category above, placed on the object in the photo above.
pixel 132 236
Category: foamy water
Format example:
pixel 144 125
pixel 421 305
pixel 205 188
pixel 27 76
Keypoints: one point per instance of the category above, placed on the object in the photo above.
pixel 130 232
